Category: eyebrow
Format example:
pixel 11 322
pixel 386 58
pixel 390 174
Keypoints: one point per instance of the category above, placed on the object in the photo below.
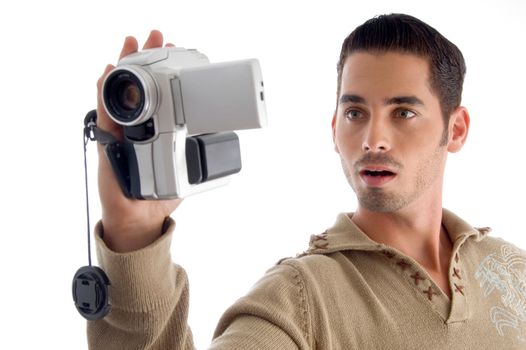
pixel 397 100
pixel 352 98
pixel 411 100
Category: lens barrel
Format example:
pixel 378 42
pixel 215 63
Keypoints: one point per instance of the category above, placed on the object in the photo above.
pixel 124 96
pixel 128 95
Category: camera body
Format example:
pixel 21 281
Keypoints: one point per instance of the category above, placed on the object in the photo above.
pixel 178 113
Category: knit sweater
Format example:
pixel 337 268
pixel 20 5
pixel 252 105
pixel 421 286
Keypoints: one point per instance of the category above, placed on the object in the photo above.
pixel 345 292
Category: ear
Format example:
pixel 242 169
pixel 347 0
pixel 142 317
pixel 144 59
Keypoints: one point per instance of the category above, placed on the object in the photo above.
pixel 333 124
pixel 458 129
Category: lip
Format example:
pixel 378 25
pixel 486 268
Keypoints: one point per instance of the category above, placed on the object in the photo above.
pixel 376 168
pixel 378 180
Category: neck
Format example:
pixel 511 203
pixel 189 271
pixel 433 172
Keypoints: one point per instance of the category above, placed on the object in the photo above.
pixel 415 231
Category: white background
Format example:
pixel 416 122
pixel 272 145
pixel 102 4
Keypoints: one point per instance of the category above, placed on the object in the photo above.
pixel 291 185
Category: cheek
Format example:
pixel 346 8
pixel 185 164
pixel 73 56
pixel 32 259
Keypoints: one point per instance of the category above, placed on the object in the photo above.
pixel 340 144
pixel 347 143
pixel 348 154
pixel 426 166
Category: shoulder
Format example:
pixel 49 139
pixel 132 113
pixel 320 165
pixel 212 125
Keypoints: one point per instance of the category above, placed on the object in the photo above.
pixel 488 245
pixel 494 259
pixel 307 262
pixel 319 272
pixel 295 273
pixel 497 249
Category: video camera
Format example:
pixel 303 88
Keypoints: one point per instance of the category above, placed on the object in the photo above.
pixel 178 112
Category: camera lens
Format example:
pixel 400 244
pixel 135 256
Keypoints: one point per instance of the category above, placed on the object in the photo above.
pixel 124 96
pixel 129 96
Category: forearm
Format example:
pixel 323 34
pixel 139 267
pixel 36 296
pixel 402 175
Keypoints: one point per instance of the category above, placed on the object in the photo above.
pixel 149 300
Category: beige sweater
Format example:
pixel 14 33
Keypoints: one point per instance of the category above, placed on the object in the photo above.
pixel 344 292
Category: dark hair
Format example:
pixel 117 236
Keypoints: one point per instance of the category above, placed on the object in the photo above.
pixel 407 34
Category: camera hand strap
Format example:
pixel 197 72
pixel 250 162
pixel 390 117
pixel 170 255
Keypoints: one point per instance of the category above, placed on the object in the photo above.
pixel 90 283
pixel 93 133
pixel 118 152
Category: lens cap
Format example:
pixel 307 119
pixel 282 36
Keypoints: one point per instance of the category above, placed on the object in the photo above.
pixel 90 292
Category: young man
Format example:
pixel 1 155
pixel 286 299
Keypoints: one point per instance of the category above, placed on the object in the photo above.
pixel 398 273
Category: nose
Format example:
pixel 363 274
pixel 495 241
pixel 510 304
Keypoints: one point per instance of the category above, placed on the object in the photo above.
pixel 376 138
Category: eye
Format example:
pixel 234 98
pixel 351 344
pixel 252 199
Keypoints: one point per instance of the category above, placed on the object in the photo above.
pixel 405 114
pixel 353 113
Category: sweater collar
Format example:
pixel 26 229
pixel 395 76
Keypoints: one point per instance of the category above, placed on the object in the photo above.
pixel 345 235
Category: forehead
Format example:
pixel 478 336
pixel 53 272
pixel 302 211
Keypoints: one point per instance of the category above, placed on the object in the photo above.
pixel 388 74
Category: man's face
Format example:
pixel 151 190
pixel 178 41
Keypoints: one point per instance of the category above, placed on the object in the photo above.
pixel 388 130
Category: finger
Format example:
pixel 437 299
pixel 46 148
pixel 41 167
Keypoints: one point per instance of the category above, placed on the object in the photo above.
pixel 130 46
pixel 169 45
pixel 108 68
pixel 154 40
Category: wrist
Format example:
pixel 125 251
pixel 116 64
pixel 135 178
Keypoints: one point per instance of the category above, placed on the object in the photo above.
pixel 124 237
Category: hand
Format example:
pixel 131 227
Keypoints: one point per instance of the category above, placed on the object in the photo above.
pixel 128 224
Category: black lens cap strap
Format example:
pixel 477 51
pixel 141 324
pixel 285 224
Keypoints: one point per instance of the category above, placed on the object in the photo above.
pixel 90 283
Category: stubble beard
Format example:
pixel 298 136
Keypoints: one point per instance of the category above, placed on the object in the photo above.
pixel 379 200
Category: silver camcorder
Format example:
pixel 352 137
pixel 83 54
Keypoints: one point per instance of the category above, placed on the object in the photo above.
pixel 178 112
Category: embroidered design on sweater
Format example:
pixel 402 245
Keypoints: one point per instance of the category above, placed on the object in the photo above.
pixel 319 241
pixel 505 274
pixel 430 292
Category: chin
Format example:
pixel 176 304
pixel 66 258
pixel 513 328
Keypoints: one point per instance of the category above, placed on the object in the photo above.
pixel 377 201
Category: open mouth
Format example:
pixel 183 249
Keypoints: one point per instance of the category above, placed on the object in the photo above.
pixel 377 173
pixel 376 178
